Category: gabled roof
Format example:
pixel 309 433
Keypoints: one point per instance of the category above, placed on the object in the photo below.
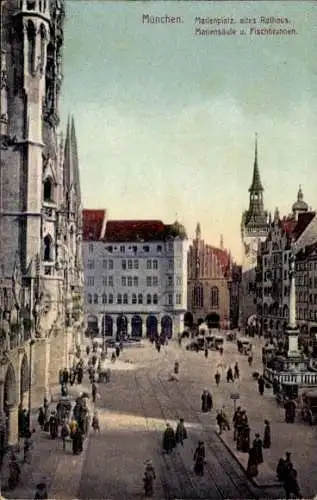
pixel 135 230
pixel 93 222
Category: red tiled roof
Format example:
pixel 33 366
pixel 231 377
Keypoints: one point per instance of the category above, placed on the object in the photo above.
pixel 135 230
pixel 223 257
pixel 92 224
pixel 303 220
pixel 288 224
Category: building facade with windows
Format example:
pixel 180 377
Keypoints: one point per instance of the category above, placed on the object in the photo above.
pixel 135 276
pixel 213 290
pixel 273 270
pixel 41 275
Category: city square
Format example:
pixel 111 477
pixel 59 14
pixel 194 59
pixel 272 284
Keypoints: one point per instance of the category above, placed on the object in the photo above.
pixel 158 250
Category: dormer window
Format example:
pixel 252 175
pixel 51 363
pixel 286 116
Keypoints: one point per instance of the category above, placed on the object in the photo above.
pixel 48 189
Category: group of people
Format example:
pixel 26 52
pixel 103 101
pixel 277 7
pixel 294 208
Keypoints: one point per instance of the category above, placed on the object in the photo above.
pixel 287 474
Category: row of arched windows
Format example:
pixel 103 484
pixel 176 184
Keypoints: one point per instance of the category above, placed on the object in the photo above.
pixel 198 296
pixel 122 298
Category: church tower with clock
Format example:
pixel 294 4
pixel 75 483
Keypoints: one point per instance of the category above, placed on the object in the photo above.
pixel 254 229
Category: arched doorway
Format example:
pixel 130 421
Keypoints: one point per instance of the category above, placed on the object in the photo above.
pixel 151 326
pixel 167 327
pixel 213 320
pixel 9 400
pixel 122 327
pixel 107 325
pixel 92 325
pixel 136 326
pixel 24 381
pixel 188 320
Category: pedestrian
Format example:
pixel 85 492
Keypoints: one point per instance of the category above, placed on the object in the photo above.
pixel 236 422
pixel 77 438
pixel 181 432
pixel 206 401
pixel 41 491
pixel 27 447
pixel 94 392
pixel 41 418
pixel 149 478
pixel 267 435
pixel 252 467
pixel 65 433
pixel 206 352
pixel 229 375
pixel 176 367
pixel 95 422
pixel 219 421
pixel 87 350
pixel 250 359
pixel 117 351
pixel 258 446
pixel 261 384
pixel 169 441
pixel 80 374
pixel 236 371
pixel 53 425
pixel 291 484
pixel 225 420
pixel 199 459
pixel 290 411
pixel 217 378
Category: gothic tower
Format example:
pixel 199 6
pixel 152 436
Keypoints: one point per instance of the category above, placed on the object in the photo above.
pixel 254 229
pixel 40 214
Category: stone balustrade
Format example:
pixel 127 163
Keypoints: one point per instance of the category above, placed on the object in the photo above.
pixel 305 379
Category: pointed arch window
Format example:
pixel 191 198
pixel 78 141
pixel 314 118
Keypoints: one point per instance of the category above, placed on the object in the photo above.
pixel 95 298
pixel 89 298
pixel 214 297
pixel 155 299
pixel 119 298
pixel 48 248
pixel 134 298
pixel 198 296
pixel 125 298
pixel 148 299
pixel 31 33
pixel 43 42
pixel 104 298
pixel 48 189
pixel 140 298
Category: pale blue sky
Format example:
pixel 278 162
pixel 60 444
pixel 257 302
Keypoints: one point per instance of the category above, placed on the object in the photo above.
pixel 166 120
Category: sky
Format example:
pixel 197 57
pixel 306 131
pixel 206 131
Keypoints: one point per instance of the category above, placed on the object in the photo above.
pixel 166 119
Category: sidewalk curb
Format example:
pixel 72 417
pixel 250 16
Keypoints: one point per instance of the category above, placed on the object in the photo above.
pixel 251 479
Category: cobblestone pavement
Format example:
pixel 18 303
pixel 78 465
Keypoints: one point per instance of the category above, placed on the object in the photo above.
pixel 133 411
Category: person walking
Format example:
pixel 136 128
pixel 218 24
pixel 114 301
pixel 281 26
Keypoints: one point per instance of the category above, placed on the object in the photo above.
pixel 169 441
pixel 217 378
pixel 199 459
pixel 236 371
pixel 258 446
pixel 229 375
pixel 181 432
pixel 252 467
pixel 94 392
pixel 261 384
pixel 267 435
pixel 95 423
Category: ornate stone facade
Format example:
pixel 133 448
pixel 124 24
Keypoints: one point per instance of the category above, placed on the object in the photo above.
pixel 41 305
pixel 213 284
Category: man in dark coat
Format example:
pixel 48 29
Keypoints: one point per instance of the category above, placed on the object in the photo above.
pixel 290 411
pixel 169 441
pixel 229 375
pixel 77 438
pixel 267 435
pixel 53 425
pixel 181 432
pixel 206 401
pixel 261 384
pixel 252 467
pixel 80 374
pixel 258 445
pixel 199 459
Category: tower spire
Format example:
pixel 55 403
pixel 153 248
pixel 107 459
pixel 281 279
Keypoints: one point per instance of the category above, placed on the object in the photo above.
pixel 256 184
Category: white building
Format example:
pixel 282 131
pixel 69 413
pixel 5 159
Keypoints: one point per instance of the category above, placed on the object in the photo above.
pixel 135 275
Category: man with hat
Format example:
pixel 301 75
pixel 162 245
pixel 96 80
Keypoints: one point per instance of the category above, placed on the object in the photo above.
pixel 199 459
pixel 181 432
